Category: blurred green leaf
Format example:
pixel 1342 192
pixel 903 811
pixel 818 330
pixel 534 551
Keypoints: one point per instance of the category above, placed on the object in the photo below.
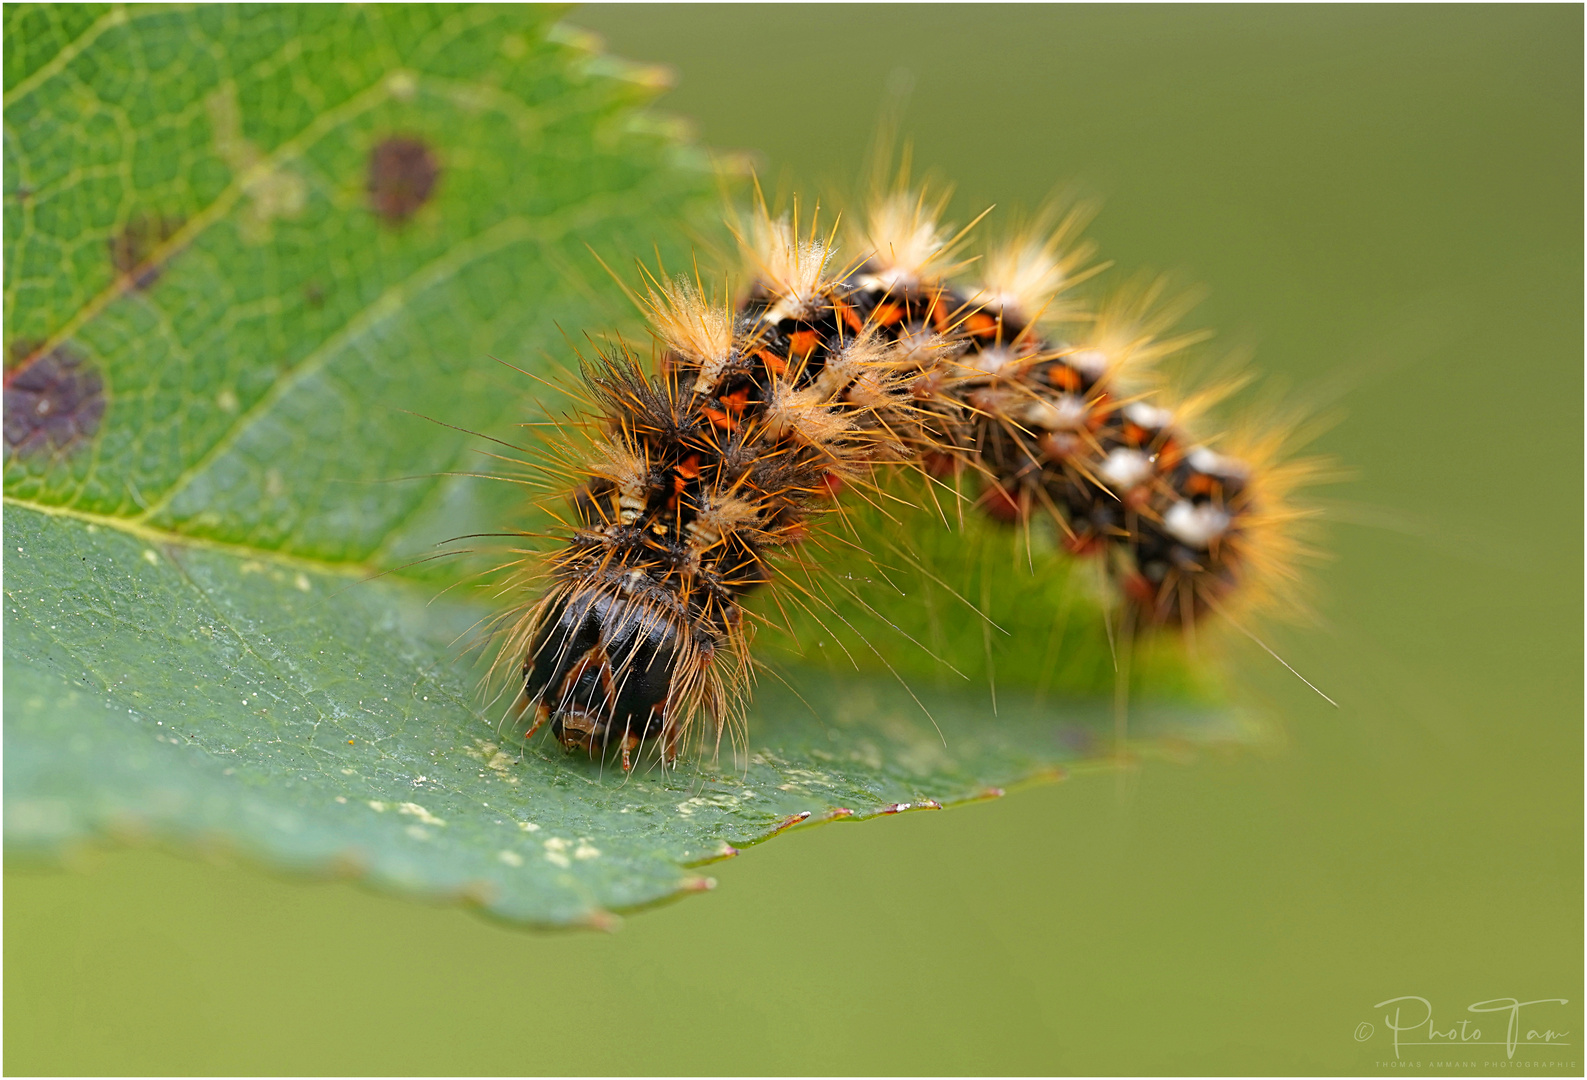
pixel 243 248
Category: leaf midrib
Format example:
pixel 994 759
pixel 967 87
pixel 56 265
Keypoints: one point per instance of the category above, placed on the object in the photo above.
pixel 154 535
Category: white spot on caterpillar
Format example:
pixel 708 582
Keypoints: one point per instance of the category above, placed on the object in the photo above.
pixel 528 826
pixel 1214 464
pixel 994 359
pixel 1148 416
pixel 1196 525
pixel 150 557
pixel 301 582
pixel 1123 469
pixel 377 806
pixel 1092 362
pixel 511 858
pixel 1066 412
pixel 586 850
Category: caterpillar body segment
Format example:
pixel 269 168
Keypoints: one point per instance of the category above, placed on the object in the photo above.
pixel 1058 409
pixel 698 475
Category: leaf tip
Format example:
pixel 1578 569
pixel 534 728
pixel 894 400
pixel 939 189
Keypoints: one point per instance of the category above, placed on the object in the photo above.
pixel 602 920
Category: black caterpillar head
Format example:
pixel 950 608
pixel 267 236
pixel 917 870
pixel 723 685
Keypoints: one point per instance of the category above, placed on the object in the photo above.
pixel 601 671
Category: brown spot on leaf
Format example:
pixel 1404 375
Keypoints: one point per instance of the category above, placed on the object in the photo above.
pixel 19 353
pixel 52 404
pixel 133 249
pixel 402 175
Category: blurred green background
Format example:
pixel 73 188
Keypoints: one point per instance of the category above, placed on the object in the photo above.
pixel 1384 199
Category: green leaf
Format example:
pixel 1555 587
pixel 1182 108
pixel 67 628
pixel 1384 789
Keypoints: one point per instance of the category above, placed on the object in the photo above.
pixel 244 247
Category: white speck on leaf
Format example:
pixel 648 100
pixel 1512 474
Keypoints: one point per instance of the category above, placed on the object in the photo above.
pixel 556 849
pixel 402 85
pixel 419 812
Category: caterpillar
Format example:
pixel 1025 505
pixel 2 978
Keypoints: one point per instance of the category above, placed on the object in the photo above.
pixel 706 471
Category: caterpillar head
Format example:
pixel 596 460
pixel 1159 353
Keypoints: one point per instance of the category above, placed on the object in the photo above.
pixel 601 672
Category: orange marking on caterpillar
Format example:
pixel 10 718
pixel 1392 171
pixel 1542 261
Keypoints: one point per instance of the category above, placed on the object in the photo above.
pixel 803 342
pixel 850 317
pixel 1064 377
pixel 981 324
pixel 774 363
pixel 887 314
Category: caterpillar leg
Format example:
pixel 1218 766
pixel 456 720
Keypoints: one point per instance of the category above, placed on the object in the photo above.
pixel 630 744
pixel 541 715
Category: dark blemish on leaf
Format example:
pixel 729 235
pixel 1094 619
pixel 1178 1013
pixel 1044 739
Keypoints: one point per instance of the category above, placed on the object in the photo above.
pixel 54 403
pixel 402 175
pixel 20 353
pixel 314 295
pixel 133 248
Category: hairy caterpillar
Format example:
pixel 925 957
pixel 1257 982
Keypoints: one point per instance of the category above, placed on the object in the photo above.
pixel 701 472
